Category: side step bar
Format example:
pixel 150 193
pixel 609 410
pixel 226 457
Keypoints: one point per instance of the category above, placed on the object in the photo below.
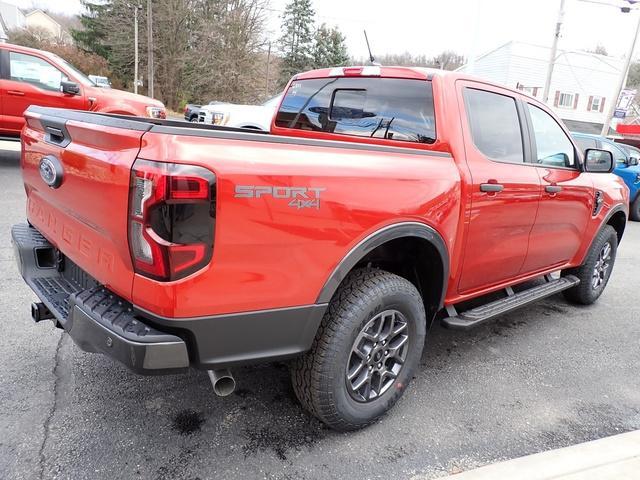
pixel 476 316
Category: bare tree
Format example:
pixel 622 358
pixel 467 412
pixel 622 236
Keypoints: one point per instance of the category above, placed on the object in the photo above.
pixel 227 62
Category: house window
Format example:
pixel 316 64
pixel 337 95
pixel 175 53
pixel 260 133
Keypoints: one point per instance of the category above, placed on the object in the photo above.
pixel 566 100
pixel 596 104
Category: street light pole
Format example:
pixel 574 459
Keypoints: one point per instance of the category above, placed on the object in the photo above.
pixel 621 83
pixel 552 57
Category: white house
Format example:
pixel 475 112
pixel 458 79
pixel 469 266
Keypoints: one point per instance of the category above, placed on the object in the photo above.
pixel 12 17
pixel 39 19
pixel 582 84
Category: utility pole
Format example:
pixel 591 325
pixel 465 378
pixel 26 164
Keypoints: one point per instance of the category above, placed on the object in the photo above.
pixel 552 57
pixel 150 72
pixel 621 83
pixel 135 7
pixel 266 87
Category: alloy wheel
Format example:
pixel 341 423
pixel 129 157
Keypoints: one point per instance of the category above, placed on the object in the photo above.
pixel 377 355
pixel 601 267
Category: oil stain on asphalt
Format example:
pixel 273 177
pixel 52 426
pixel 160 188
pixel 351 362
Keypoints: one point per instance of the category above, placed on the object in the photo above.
pixel 187 422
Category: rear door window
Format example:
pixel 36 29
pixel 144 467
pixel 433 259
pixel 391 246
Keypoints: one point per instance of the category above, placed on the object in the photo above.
pixel 388 108
pixel 495 125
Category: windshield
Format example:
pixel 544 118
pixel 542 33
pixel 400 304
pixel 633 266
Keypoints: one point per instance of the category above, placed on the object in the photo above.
pixel 273 101
pixel 81 77
pixel 632 151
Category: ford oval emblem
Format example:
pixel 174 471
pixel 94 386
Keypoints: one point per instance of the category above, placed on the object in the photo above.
pixel 51 171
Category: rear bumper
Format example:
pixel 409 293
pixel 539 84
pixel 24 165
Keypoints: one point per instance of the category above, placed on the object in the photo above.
pixel 96 319
pixel 100 321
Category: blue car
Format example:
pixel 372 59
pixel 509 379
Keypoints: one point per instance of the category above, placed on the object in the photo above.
pixel 626 158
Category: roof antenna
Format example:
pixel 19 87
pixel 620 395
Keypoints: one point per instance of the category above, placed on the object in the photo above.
pixel 371 57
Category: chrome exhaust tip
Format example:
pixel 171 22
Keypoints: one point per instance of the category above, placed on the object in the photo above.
pixel 223 382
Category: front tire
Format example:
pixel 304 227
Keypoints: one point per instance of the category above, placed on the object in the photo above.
pixel 634 212
pixel 595 272
pixel 365 353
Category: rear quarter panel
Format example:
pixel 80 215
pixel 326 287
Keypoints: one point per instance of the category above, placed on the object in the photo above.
pixel 268 254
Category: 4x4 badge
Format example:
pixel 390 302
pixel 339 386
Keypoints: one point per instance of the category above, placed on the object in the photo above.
pixel 51 171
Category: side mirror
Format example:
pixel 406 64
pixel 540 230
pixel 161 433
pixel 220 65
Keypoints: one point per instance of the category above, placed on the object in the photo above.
pixel 632 162
pixel 70 88
pixel 598 161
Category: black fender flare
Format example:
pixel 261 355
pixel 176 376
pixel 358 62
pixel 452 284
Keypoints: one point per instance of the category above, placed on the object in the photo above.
pixel 615 209
pixel 380 237
pixel 605 221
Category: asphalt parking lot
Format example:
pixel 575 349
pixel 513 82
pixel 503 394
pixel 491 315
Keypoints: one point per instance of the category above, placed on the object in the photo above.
pixel 549 376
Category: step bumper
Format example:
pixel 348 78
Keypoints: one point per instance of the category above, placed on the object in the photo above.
pixel 96 319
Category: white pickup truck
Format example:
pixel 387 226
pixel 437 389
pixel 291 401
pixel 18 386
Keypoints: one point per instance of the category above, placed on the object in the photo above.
pixel 256 117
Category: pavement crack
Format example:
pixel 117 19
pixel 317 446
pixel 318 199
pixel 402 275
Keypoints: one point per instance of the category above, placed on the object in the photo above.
pixel 54 406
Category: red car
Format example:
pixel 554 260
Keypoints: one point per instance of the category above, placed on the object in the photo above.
pixel 382 201
pixel 35 77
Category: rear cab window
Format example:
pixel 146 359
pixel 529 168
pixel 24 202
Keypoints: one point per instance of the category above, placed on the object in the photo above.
pixel 495 125
pixel 384 108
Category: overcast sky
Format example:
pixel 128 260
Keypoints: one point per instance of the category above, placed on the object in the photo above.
pixel 465 26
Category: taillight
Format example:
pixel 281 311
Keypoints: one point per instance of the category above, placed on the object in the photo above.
pixel 171 219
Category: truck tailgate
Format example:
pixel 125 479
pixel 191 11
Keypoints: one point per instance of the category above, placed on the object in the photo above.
pixel 85 216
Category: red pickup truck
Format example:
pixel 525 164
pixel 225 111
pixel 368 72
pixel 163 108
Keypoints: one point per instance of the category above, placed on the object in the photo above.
pixel 384 199
pixel 35 77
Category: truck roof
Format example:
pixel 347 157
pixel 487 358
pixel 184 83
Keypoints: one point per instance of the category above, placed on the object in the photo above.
pixel 370 71
pixel 417 73
pixel 21 49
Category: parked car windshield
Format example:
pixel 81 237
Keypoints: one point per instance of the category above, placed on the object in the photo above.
pixel 273 101
pixel 81 77
pixel 390 108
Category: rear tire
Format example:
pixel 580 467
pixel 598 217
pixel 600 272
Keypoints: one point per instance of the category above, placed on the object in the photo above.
pixel 634 212
pixel 372 335
pixel 595 272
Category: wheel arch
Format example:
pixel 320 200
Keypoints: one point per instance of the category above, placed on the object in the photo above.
pixel 412 250
pixel 617 218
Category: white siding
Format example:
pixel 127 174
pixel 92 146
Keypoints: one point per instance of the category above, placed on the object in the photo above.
pixel 12 16
pixel 581 73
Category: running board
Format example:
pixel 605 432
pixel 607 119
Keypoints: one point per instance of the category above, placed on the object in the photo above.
pixel 476 316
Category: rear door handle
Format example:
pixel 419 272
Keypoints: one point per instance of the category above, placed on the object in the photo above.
pixel 17 93
pixel 553 189
pixel 491 187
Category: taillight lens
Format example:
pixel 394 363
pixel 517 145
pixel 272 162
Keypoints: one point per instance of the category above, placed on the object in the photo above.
pixel 171 219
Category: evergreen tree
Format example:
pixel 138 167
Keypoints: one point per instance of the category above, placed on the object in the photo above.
pixel 93 34
pixel 329 49
pixel 296 42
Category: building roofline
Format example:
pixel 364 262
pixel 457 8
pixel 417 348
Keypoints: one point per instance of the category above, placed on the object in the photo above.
pixel 561 51
pixel 45 14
